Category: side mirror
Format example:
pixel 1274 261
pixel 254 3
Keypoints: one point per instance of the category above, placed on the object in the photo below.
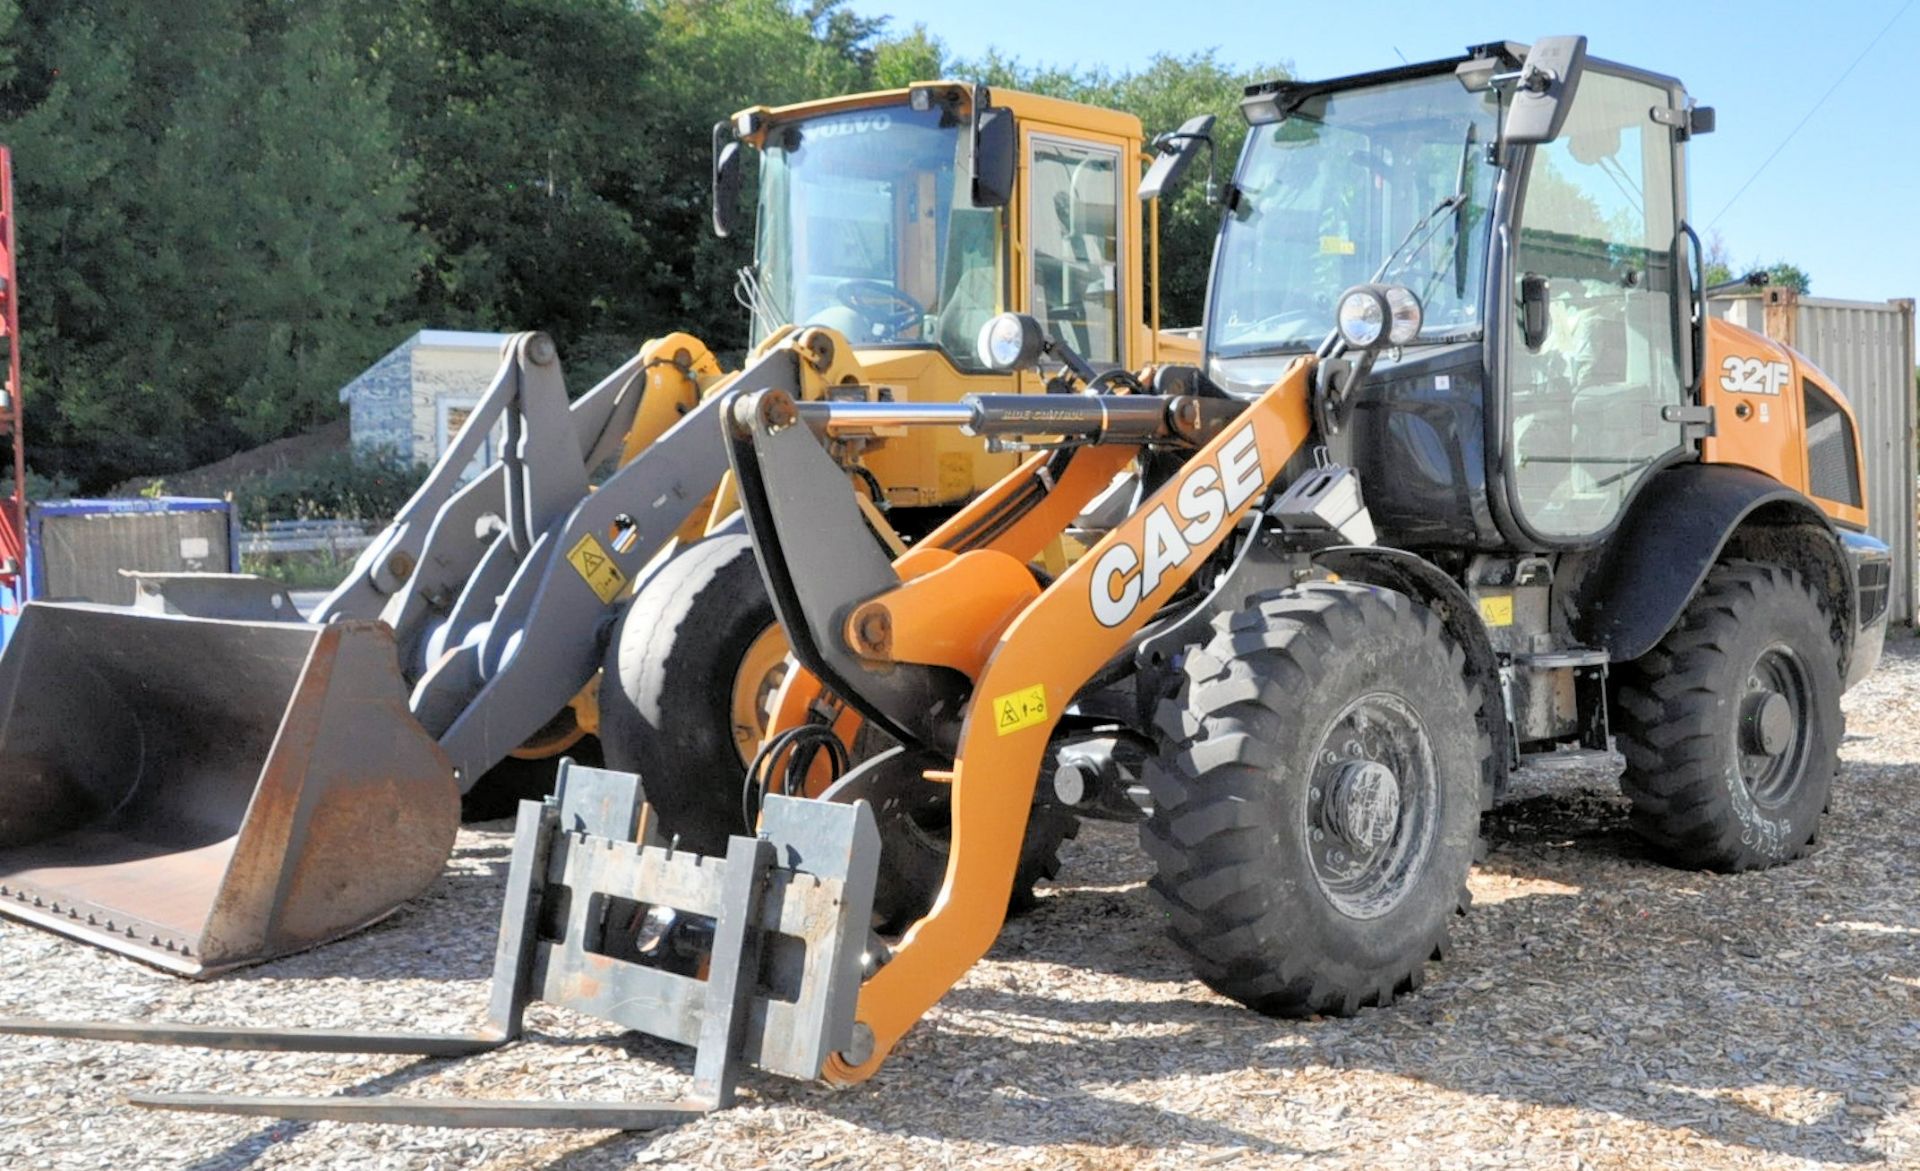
pixel 1544 93
pixel 1534 311
pixel 726 179
pixel 1176 153
pixel 994 157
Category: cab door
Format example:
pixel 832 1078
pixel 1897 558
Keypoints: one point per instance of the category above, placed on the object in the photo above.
pixel 1591 402
pixel 1073 274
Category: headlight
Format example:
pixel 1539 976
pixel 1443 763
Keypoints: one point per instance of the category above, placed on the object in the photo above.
pixel 1371 316
pixel 1011 341
pixel 1405 310
pixel 1363 317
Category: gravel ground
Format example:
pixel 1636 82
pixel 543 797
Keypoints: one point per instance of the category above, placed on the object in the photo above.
pixel 1597 1011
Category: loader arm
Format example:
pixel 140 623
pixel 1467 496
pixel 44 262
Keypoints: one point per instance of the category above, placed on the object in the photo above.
pixel 956 604
pixel 527 632
pixel 406 561
pixel 436 570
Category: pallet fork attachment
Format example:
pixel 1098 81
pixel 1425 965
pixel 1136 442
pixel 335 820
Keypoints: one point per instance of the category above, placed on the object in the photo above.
pixel 789 912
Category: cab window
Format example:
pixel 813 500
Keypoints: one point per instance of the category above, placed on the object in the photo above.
pixel 1074 243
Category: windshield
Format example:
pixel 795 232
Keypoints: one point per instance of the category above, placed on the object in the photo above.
pixel 1327 195
pixel 867 226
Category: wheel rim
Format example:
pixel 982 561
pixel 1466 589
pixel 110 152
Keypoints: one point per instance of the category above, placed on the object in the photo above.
pixel 1372 805
pixel 762 670
pixel 1771 733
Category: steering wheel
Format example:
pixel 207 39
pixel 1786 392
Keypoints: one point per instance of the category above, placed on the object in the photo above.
pixel 1119 377
pixel 882 304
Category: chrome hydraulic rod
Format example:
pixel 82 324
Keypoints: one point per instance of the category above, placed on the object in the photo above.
pixel 1113 418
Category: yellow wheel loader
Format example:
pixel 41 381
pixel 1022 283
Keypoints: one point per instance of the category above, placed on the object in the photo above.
pixel 1467 478
pixel 206 784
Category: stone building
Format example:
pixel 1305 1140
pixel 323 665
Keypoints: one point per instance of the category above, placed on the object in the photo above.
pixel 414 400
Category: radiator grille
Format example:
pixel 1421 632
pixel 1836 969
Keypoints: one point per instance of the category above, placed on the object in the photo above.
pixel 1833 472
pixel 1875 578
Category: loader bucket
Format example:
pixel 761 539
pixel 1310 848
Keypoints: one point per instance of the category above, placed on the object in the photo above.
pixel 202 793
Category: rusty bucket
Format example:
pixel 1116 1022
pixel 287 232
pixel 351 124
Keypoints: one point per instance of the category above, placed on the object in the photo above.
pixel 201 793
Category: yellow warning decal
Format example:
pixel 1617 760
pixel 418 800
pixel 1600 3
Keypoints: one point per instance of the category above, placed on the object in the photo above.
pixel 596 565
pixel 1497 610
pixel 1020 709
pixel 1336 246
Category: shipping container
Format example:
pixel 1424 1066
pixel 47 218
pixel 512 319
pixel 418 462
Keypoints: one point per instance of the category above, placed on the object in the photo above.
pixel 77 549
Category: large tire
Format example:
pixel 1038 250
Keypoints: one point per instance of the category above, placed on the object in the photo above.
pixel 671 668
pixel 675 657
pixel 914 843
pixel 1731 725
pixel 1276 735
pixel 913 863
pixel 502 788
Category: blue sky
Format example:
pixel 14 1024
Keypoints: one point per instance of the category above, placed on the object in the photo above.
pixel 1841 200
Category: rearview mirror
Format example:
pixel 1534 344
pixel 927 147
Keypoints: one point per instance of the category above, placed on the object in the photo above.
pixel 1175 154
pixel 994 156
pixel 1544 92
pixel 726 179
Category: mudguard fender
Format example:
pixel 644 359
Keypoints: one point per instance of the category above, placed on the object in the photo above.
pixel 1682 522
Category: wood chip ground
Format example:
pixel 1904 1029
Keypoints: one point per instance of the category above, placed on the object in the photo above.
pixel 1598 1010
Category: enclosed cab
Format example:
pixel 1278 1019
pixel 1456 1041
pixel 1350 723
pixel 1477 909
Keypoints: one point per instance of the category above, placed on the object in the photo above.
pixel 906 219
pixel 1567 433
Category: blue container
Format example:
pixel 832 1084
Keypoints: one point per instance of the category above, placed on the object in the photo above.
pixel 77 548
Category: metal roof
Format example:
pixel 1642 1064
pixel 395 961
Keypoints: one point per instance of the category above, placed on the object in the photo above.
pixel 429 339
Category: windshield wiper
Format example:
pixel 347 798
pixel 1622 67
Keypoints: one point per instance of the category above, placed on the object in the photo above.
pixel 1461 185
pixel 1457 199
pixel 1455 203
pixel 754 296
pixel 1267 349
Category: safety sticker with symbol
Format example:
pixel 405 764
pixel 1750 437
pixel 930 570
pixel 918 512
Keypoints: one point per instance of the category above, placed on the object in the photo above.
pixel 1497 609
pixel 595 564
pixel 1020 709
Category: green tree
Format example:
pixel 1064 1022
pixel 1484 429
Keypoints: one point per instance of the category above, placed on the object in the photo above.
pixel 1721 269
pixel 210 221
pixel 1788 275
pixel 80 127
pixel 903 60
pixel 528 124
pixel 303 248
pixel 713 59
